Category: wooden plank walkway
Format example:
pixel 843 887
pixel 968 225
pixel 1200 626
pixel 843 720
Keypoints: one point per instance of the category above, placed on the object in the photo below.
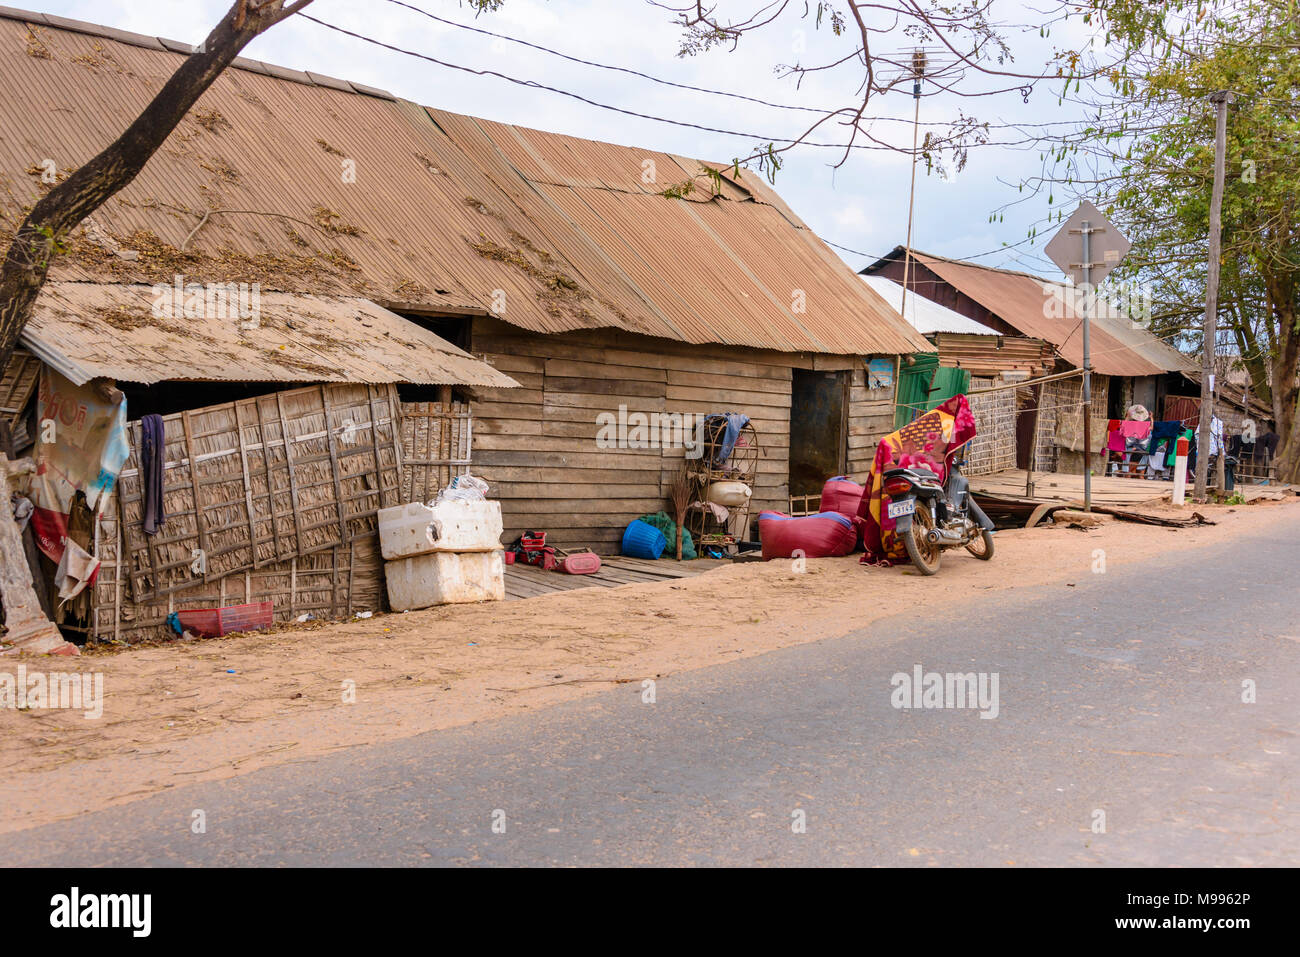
pixel 529 581
pixel 1106 489
pixel 1060 487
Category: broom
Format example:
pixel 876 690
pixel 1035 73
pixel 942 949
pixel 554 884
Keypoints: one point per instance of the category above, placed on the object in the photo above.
pixel 679 493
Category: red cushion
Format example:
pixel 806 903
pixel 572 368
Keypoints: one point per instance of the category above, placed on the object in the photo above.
pixel 840 494
pixel 815 536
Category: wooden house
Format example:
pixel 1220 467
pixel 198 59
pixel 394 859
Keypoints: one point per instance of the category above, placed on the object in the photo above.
pixel 597 279
pixel 1130 365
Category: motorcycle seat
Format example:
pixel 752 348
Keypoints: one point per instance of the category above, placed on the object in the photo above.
pixel 915 469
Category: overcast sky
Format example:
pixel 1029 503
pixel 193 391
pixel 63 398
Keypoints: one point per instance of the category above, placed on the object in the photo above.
pixel 862 205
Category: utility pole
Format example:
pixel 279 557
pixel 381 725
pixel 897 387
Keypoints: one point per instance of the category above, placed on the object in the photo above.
pixel 1086 230
pixel 1220 99
pixel 918 71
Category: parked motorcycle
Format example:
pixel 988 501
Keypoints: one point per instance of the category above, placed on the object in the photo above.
pixel 931 516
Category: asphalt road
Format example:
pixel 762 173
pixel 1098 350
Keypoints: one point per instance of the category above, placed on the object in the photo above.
pixel 1121 694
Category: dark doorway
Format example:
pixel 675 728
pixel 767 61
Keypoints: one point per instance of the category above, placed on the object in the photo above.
pixel 1028 399
pixel 818 428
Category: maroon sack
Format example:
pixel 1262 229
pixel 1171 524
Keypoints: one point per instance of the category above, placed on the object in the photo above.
pixel 815 536
pixel 841 494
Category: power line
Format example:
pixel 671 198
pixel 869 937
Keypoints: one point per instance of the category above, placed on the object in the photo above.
pixel 606 66
pixel 655 79
pixel 533 84
pixel 604 106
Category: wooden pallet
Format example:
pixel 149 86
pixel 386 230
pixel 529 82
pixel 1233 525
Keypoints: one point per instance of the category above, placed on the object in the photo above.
pixel 529 581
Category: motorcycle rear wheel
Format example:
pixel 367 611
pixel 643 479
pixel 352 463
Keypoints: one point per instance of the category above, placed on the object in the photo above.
pixel 923 553
pixel 982 547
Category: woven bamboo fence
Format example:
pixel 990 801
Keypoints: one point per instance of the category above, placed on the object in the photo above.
pixel 994 446
pixel 263 502
pixel 436 445
pixel 1067 396
pixel 261 481
pixel 334 583
pixel 18 384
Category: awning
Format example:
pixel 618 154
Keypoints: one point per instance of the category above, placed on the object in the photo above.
pixel 147 334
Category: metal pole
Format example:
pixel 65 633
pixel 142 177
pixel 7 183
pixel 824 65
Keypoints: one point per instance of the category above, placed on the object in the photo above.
pixel 918 66
pixel 1087 368
pixel 1220 99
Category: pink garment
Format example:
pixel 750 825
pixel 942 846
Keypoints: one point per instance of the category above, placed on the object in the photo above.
pixel 1115 441
pixel 1135 430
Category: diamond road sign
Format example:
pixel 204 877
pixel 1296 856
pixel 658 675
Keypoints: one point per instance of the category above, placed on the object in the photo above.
pixel 1108 245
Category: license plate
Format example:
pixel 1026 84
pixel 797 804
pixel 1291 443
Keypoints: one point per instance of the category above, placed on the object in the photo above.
pixel 905 507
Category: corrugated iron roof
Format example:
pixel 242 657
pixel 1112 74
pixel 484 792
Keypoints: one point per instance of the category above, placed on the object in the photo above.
pixel 446 213
pixel 1043 309
pixel 1150 347
pixel 136 333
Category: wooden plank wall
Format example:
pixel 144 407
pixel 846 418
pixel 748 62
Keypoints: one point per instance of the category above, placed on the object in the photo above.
pixel 536 445
pixel 871 418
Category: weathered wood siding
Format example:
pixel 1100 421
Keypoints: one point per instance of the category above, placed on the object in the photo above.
pixel 536 445
pixel 871 418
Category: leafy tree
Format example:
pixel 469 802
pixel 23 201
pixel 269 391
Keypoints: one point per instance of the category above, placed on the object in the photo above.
pixel 1148 155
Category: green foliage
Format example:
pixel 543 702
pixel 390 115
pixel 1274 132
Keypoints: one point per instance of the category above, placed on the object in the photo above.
pixel 1157 129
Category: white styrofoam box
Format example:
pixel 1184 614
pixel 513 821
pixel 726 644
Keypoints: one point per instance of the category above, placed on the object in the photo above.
pixel 445 578
pixel 451 526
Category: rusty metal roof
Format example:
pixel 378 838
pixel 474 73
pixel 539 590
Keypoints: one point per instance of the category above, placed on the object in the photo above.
pixel 446 213
pixel 1042 309
pixel 137 333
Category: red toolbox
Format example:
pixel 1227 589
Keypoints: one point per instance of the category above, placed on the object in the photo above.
pixel 580 563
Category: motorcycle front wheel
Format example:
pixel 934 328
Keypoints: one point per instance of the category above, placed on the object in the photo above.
pixel 982 547
pixel 923 553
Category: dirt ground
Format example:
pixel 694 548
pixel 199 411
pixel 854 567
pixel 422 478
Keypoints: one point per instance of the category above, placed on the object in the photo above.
pixel 192 711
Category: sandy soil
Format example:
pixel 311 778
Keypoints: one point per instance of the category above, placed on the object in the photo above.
pixel 191 711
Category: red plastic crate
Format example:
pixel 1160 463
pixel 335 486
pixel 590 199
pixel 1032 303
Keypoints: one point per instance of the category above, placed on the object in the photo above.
pixel 215 622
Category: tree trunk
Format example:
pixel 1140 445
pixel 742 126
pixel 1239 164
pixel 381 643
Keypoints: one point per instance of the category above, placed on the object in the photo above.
pixel 42 233
pixel 41 236
pixel 1286 393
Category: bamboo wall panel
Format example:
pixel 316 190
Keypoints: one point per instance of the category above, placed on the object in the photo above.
pixel 17 386
pixel 437 444
pixel 260 481
pixel 1061 422
pixel 332 583
pixel 994 446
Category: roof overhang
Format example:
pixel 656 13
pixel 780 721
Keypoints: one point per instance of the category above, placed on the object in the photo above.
pixel 236 333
